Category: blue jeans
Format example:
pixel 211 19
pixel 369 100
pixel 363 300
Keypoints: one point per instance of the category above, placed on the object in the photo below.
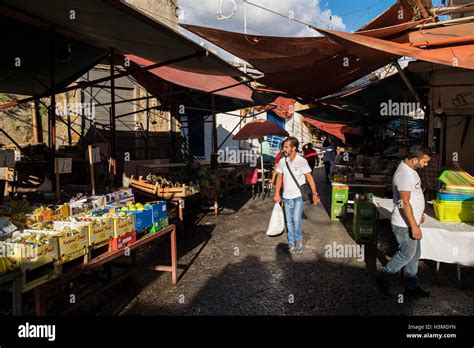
pixel 294 213
pixel 407 256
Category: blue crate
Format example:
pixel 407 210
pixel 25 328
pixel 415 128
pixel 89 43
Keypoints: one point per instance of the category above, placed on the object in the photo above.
pixel 143 218
pixel 159 210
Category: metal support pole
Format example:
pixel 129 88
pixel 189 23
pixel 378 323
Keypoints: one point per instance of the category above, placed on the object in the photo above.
pixel 214 126
pixel 52 107
pixel 408 83
pixel 113 149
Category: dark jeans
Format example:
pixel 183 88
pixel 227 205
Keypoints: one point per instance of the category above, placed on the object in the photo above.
pixel 327 165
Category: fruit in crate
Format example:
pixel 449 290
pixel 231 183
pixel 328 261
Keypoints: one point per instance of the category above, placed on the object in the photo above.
pixel 162 181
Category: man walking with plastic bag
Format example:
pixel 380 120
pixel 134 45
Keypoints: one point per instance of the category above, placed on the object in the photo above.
pixel 294 172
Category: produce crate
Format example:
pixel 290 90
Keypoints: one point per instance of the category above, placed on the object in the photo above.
pixel 122 224
pixel 99 230
pixel 54 213
pixel 454 211
pixel 123 241
pixel 164 222
pixel 161 192
pixel 72 244
pixel 27 256
pixel 143 219
pixel 144 185
pixel 159 210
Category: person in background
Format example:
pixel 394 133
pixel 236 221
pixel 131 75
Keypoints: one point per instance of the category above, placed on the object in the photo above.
pixel 292 198
pixel 311 155
pixel 407 216
pixel 429 177
pixel 328 157
pixel 277 159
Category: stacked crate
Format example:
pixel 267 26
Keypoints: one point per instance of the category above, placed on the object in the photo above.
pixel 340 195
pixel 365 220
pixel 455 201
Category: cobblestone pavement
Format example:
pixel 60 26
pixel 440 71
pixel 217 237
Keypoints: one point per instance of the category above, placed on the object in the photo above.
pixel 228 266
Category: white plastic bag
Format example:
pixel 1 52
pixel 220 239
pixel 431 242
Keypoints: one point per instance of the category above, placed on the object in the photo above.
pixel 277 221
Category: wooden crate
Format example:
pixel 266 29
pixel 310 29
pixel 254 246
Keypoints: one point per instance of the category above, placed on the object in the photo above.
pixel 161 192
pixel 143 185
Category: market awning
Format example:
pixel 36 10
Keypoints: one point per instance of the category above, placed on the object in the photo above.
pixel 371 98
pixel 308 67
pixel 398 13
pixel 114 24
pixel 338 130
pixel 336 114
pixel 456 52
pixel 197 81
pixel 25 58
pixel 283 107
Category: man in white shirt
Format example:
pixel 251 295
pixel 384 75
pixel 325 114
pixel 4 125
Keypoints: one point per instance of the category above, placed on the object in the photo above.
pixel 292 198
pixel 407 216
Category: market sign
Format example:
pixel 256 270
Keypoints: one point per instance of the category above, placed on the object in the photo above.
pixel 63 165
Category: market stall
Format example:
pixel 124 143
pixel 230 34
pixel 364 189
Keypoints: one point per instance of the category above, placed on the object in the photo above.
pixel 47 245
pixel 443 242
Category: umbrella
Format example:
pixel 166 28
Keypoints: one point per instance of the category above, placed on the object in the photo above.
pixel 259 129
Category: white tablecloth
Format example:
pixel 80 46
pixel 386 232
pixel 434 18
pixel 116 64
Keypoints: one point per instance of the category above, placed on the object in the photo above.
pixel 450 242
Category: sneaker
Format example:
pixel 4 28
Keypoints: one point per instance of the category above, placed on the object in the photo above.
pixel 291 247
pixel 383 285
pixel 416 293
pixel 299 246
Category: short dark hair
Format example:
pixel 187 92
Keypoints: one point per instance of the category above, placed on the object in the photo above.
pixel 418 151
pixel 326 143
pixel 293 141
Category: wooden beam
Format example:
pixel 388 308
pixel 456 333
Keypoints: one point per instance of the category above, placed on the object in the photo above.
pixel 422 9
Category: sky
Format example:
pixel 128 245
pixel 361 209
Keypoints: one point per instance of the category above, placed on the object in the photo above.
pixel 342 15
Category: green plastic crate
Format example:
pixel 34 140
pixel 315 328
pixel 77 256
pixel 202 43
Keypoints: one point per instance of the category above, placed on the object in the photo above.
pixel 337 211
pixel 365 222
pixel 365 233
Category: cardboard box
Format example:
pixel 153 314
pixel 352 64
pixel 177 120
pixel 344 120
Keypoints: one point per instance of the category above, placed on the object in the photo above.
pixel 122 225
pixel 122 241
pixel 70 245
pixel 28 256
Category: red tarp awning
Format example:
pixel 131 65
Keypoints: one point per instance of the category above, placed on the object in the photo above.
pixel 308 67
pixel 283 107
pixel 338 130
pixel 197 81
pixel 458 55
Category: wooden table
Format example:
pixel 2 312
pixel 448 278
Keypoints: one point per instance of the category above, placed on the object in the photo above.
pixel 41 292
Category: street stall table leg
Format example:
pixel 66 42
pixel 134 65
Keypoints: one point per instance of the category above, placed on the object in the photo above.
pixel 41 293
pixel 14 279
